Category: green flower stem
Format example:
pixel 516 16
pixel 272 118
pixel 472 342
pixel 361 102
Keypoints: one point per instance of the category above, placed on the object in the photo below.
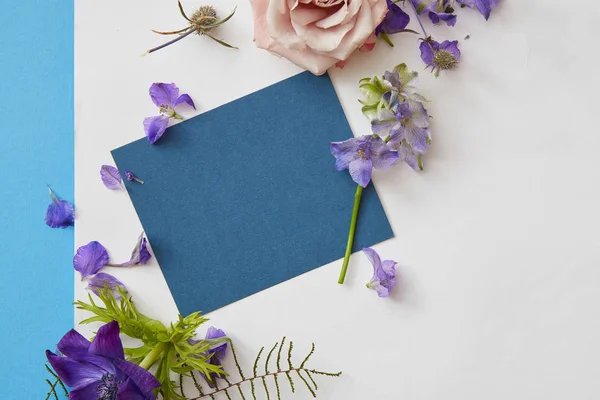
pixel 153 355
pixel 357 197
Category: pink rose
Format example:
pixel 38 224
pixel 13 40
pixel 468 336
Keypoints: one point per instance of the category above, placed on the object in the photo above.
pixel 315 34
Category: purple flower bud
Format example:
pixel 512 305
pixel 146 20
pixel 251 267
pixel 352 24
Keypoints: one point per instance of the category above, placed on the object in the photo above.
pixel 384 273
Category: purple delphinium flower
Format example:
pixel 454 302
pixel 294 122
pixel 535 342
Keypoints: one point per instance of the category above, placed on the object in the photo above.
pixel 131 177
pixel 111 177
pixel 98 370
pixel 361 155
pixel 439 56
pixel 483 6
pixel 166 97
pixel 384 273
pixel 139 255
pixel 59 213
pixel 89 259
pixel 215 355
pixel 396 20
pixel 436 10
pixel 103 280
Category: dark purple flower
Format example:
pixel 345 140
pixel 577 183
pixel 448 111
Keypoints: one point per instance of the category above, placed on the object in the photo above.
pixel 111 177
pixel 139 255
pixel 102 280
pixel 483 6
pixel 436 10
pixel 384 273
pixel 59 213
pixel 97 370
pixel 90 259
pixel 166 97
pixel 361 155
pixel 396 20
pixel 439 56
pixel 131 177
pixel 215 355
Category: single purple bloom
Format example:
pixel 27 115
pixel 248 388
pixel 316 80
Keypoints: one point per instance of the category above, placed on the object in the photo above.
pixel 97 370
pixel 139 255
pixel 102 280
pixel 59 213
pixel 439 56
pixel 111 177
pixel 131 177
pixel 396 20
pixel 361 155
pixel 483 6
pixel 384 273
pixel 90 259
pixel 406 121
pixel 215 355
pixel 436 10
pixel 166 97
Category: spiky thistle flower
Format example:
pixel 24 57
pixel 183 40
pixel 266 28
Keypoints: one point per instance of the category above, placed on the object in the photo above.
pixel 202 22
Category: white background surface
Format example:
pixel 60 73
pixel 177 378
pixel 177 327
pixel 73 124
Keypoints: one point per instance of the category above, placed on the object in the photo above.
pixel 496 240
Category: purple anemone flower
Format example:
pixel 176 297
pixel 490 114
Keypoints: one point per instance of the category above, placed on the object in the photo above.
pixel 361 155
pixel 384 273
pixel 439 56
pixel 59 213
pixel 139 255
pixel 111 177
pixel 131 177
pixel 437 11
pixel 215 355
pixel 483 6
pixel 405 122
pixel 166 97
pixel 396 20
pixel 97 370
pixel 103 280
pixel 89 259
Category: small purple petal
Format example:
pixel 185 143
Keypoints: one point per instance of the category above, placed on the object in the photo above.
pixel 154 127
pixel 383 156
pixel 144 380
pixel 101 280
pixel 408 156
pixel 427 53
pixel 164 94
pixel 373 257
pixel 107 342
pixel 60 213
pixel 90 259
pixel 384 273
pixel 360 170
pixel 129 391
pixel 417 138
pixel 73 343
pixel 452 47
pixel 185 98
pixel 110 177
pixel 85 392
pixel 139 255
pixel 219 351
pixel 449 19
pixel 395 20
pixel 73 373
pixel 344 153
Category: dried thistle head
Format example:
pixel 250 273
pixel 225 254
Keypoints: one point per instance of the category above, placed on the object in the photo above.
pixel 204 19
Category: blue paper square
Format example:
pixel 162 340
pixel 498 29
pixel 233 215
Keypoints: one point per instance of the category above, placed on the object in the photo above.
pixel 245 196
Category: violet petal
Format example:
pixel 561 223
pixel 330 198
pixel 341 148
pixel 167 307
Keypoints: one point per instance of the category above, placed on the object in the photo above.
pixel 144 380
pixel 107 342
pixel 154 127
pixel 60 213
pixel 164 94
pixel 111 177
pixel 102 280
pixel 360 170
pixel 90 259
pixel 73 373
pixel 185 98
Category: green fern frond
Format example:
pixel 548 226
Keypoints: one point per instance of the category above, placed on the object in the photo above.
pixel 53 384
pixel 302 371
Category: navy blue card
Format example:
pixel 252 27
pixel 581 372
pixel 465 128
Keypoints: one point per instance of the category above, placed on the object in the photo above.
pixel 245 196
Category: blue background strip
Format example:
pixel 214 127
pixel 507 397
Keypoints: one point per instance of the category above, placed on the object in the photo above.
pixel 36 148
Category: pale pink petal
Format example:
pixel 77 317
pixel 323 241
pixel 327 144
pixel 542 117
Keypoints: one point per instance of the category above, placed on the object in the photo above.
pixel 335 18
pixel 326 40
pixel 305 58
pixel 280 26
pixel 353 9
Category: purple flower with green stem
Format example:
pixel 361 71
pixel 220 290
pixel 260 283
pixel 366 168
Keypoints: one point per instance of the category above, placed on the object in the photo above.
pixel 436 10
pixel 360 156
pixel 395 21
pixel 102 281
pixel 483 6
pixel 166 97
pixel 384 273
pixel 60 213
pixel 98 370
pixel 439 56
pixel 139 255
